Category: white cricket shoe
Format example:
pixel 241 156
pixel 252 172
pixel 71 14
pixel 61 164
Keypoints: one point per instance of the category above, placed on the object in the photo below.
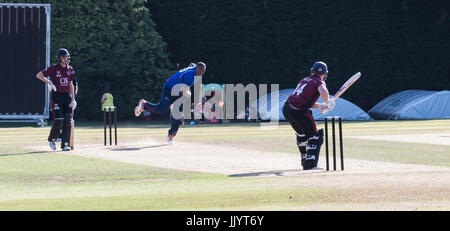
pixel 66 148
pixel 170 139
pixel 139 108
pixel 52 145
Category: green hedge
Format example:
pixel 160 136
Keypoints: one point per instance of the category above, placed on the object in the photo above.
pixel 111 43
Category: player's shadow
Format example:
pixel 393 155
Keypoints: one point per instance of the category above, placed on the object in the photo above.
pixel 139 148
pixel 23 153
pixel 273 173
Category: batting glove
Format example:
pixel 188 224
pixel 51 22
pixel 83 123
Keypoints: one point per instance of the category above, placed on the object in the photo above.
pixel 73 104
pixel 324 108
pixel 51 87
pixel 330 103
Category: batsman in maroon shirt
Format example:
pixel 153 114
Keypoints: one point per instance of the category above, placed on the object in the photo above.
pixel 297 111
pixel 60 83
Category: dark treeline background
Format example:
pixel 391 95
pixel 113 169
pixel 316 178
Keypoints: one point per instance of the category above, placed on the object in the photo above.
pixel 133 45
pixel 111 43
pixel 396 44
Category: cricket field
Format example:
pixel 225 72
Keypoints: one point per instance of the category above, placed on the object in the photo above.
pixel 389 165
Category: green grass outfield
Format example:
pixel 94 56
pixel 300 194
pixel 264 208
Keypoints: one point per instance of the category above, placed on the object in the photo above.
pixel 34 180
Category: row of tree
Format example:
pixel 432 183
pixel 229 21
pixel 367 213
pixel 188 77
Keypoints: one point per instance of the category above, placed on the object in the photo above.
pixel 397 45
pixel 111 43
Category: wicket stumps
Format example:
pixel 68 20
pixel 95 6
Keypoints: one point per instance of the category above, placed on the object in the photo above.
pixel 107 118
pixel 333 138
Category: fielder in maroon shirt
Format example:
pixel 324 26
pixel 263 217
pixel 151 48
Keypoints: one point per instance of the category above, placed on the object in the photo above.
pixel 296 111
pixel 60 83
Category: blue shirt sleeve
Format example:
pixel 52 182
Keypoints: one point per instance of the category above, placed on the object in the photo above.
pixel 188 77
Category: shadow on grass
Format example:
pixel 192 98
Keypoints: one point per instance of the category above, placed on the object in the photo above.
pixel 140 148
pixel 164 123
pixel 272 173
pixel 23 153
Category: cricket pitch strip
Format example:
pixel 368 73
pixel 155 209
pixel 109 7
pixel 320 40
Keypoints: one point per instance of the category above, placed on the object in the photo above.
pixel 231 161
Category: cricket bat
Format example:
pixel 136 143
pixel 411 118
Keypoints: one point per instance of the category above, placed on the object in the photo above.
pixel 71 144
pixel 346 85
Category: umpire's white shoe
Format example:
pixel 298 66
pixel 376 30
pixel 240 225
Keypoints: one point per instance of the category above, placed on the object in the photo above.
pixel 66 148
pixel 170 139
pixel 139 108
pixel 52 145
